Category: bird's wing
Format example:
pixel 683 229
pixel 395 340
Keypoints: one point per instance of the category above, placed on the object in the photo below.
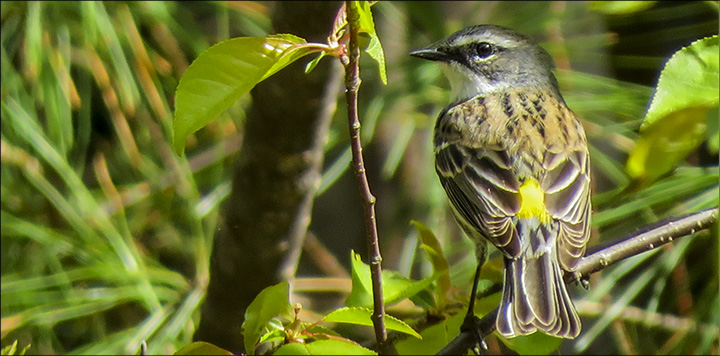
pixel 567 198
pixel 483 192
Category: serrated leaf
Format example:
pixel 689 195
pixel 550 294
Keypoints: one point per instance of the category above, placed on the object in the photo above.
pixel 202 348
pixel 374 49
pixel 271 302
pixel 675 123
pixel 225 72
pixel 287 37
pixel 395 287
pixel 534 344
pixel 362 316
pixel 324 347
pixel 689 79
pixel 432 247
pixel 322 331
pixel 336 347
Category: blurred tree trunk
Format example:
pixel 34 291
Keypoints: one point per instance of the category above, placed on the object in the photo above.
pixel 274 182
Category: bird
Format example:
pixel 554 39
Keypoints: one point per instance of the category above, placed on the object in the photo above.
pixel 514 162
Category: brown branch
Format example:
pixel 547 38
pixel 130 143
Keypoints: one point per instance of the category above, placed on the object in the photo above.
pixel 352 84
pixel 653 237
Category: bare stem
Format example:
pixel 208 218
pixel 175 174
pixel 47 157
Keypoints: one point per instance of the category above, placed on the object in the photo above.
pixel 653 237
pixel 352 83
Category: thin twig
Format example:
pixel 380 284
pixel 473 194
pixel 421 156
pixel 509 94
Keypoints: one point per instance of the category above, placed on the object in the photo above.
pixel 352 83
pixel 654 237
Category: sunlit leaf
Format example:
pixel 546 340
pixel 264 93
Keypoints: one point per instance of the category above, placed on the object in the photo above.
pixel 337 347
pixel 223 73
pixel 324 347
pixel 202 348
pixel 276 335
pixel 395 287
pixel 675 123
pixel 374 48
pixel 292 349
pixel 620 7
pixel 312 64
pixel 272 302
pixel 13 350
pixel 361 316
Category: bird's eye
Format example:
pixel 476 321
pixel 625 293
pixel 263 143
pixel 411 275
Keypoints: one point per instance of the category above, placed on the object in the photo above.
pixel 484 49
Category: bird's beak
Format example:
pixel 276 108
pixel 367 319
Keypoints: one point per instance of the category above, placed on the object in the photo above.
pixel 430 53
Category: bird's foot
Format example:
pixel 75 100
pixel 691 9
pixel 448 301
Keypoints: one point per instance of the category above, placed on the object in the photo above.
pixel 470 324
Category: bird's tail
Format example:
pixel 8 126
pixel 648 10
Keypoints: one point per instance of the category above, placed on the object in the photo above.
pixel 535 297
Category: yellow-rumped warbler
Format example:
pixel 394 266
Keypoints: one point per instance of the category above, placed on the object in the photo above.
pixel 514 162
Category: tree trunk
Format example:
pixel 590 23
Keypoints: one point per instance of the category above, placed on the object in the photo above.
pixel 275 180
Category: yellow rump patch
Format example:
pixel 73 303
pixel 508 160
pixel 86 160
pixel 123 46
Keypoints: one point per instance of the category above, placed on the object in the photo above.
pixel 533 202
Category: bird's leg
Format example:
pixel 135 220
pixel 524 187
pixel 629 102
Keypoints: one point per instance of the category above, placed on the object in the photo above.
pixel 470 322
pixel 584 281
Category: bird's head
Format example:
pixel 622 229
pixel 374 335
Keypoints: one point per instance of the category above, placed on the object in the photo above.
pixel 487 58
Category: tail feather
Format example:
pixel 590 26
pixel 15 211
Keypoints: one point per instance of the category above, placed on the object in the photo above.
pixel 538 273
pixel 535 298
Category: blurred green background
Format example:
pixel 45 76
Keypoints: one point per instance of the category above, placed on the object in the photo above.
pixel 106 234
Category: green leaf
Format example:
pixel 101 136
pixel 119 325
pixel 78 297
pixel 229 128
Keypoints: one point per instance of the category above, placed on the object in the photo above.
pixel 534 344
pixel 13 350
pixel 292 348
pixel 395 287
pixel 361 292
pixel 713 134
pixel 202 348
pixel 689 79
pixel 277 335
pixel 320 331
pixel 620 7
pixel 675 123
pixel 337 347
pixel 324 347
pixel 272 302
pixel 433 339
pixel 312 64
pixel 663 145
pixel 374 49
pixel 432 247
pixel 362 316
pixel 225 72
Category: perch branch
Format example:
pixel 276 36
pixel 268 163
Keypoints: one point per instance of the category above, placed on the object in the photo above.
pixel 653 237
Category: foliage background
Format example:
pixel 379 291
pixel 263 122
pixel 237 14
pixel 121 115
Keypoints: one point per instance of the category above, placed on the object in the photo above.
pixel 106 234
